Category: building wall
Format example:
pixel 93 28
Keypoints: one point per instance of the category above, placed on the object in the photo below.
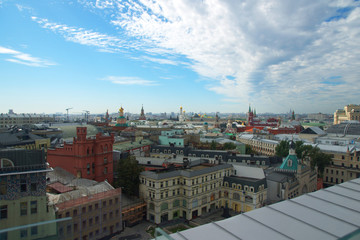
pixel 22 119
pixel 89 158
pixel 243 198
pixel 175 197
pixel 261 146
pixel 350 112
pixel 93 217
pixel 23 200
pixel 180 196
pixel 345 166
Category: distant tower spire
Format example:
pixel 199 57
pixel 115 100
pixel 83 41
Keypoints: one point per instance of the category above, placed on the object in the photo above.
pixel 142 114
pixel 293 115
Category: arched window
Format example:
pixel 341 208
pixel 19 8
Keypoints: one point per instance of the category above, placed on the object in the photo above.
pixel 236 196
pixel 176 203
pixel 289 163
pixel 6 163
pixel 164 206
pixel 106 148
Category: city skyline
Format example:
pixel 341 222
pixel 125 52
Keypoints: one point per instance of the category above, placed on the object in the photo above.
pixel 208 56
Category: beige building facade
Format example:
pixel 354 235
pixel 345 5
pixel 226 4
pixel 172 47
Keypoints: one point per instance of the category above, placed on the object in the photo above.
pixel 345 164
pixel 190 193
pixel 350 112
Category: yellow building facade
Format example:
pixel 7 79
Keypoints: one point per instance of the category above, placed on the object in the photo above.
pixel 350 112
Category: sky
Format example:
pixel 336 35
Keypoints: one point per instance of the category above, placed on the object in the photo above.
pixel 206 56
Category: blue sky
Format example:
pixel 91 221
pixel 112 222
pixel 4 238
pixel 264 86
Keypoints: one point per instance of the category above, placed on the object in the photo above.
pixel 203 55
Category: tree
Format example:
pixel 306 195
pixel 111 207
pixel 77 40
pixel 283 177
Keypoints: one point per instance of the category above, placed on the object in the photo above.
pixel 229 146
pixel 248 149
pixel 282 149
pixel 319 159
pixel 232 138
pixel 128 171
pixel 213 145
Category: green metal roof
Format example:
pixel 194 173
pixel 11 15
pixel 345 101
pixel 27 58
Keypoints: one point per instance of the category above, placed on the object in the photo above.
pixel 290 163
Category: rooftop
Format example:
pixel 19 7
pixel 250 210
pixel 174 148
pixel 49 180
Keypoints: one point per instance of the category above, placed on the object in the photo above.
pixel 185 172
pixel 331 213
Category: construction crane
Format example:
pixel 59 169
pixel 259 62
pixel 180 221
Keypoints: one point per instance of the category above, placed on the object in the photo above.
pixel 67 113
pixel 87 113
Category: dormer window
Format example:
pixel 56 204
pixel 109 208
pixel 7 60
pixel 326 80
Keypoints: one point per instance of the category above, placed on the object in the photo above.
pixel 289 163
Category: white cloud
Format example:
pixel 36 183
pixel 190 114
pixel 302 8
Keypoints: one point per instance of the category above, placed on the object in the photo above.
pixel 129 81
pixel 82 36
pixel 24 58
pixel 278 52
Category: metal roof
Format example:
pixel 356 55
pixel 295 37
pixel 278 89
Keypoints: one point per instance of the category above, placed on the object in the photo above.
pixel 332 213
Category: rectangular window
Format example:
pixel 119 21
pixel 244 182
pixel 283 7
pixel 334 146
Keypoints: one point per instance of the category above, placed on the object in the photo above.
pixel 110 202
pixel 3 188
pixel 83 210
pixel 105 170
pixel 75 227
pixel 33 207
pixel 3 211
pixel 88 168
pixel 4 236
pixel 75 212
pixel 96 219
pixel 33 187
pixel 34 230
pixel 23 233
pixel 90 208
pixel 23 185
pixel 68 229
pixel 105 160
pixel 23 208
pixel 84 224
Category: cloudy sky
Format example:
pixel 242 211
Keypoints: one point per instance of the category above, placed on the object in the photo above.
pixel 207 56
